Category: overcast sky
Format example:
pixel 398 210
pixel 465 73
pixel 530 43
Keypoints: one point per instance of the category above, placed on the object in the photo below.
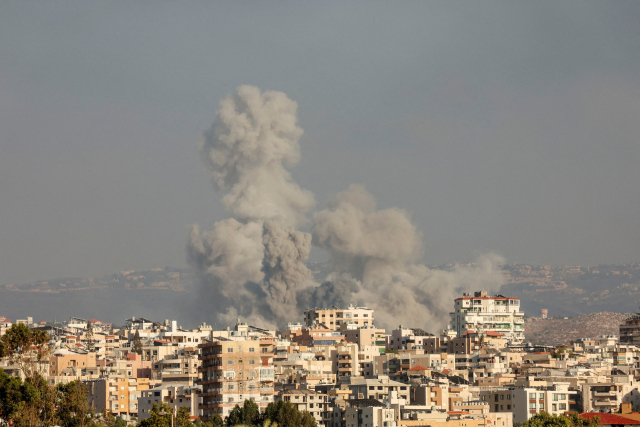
pixel 511 127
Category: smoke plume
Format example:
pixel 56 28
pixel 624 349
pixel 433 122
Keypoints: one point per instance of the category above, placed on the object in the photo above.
pixel 378 249
pixel 252 141
pixel 252 265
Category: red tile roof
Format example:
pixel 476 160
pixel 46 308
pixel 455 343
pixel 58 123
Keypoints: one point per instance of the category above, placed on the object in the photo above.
pixel 608 419
pixel 418 368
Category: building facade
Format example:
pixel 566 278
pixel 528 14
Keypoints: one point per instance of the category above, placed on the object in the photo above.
pixel 482 313
pixel 234 371
pixel 334 317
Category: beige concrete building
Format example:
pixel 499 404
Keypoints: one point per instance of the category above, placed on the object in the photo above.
pixel 117 394
pixel 333 317
pixel 309 400
pixel 64 359
pixel 175 395
pixel 233 371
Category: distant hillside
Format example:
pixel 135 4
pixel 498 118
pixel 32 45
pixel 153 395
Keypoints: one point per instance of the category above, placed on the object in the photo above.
pixel 574 290
pixel 174 293
pixel 562 331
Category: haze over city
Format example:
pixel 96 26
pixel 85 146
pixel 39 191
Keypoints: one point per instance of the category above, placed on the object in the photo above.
pixel 497 128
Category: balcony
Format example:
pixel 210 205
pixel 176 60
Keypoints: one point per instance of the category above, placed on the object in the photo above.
pixel 605 403
pixel 604 393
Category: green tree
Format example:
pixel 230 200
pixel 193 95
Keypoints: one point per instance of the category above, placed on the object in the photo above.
pixel 136 345
pixel 160 416
pixel 27 349
pixel 91 342
pixel 235 417
pixel 27 403
pixel 74 407
pixel 286 414
pixel 250 413
pixel 216 421
pixel 183 417
pixel 544 419
pixel 247 415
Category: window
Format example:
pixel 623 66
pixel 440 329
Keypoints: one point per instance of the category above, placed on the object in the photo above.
pixel 555 397
pixel 562 406
pixel 252 362
pixel 508 407
pixel 229 362
pixel 532 405
pixel 252 349
pixel 508 397
pixel 541 396
pixel 501 407
pixel 502 397
pixel 554 407
pixel 532 395
pixel 542 406
pixel 230 350
pixel 496 408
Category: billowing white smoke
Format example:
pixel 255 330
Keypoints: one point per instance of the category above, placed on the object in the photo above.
pixel 252 265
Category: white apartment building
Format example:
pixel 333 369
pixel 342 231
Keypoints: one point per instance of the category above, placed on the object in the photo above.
pixel 174 395
pixel 525 402
pixel 483 313
pixel 333 317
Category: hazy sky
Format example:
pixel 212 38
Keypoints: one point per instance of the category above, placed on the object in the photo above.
pixel 511 127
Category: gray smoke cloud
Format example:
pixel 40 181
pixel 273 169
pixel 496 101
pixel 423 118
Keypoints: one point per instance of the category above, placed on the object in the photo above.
pixel 252 265
pixel 378 249
pixel 285 274
pixel 252 141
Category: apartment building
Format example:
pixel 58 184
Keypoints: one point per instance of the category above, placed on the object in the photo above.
pixel 334 317
pixel 482 313
pixel 233 371
pixel 609 396
pixel 346 364
pixel 311 401
pixel 63 359
pixel 366 413
pixel 630 330
pixel 365 336
pixel 116 394
pixel 175 395
pixel 379 389
pixel 178 367
pixel 525 402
